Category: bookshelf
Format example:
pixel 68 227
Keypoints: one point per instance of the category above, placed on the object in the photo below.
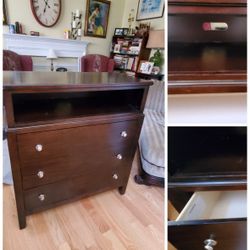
pixel 128 51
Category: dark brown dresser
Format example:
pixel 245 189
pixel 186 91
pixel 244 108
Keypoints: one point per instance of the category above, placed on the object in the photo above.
pixel 207 183
pixel 70 135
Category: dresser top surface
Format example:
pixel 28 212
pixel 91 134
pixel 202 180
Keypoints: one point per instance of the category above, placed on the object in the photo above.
pixel 70 80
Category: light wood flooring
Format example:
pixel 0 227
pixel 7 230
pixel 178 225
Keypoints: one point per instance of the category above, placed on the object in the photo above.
pixel 104 221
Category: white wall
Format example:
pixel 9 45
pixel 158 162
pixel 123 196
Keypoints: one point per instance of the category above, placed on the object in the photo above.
pixel 207 108
pixel 20 10
pixel 157 23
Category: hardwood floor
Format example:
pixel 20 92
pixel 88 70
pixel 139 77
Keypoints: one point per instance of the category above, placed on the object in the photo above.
pixel 104 221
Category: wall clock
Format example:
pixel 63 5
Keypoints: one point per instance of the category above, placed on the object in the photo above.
pixel 46 12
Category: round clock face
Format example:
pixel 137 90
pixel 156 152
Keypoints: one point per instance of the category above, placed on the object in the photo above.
pixel 46 12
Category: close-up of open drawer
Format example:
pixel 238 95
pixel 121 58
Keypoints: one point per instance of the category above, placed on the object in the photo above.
pixel 207 187
pixel 211 220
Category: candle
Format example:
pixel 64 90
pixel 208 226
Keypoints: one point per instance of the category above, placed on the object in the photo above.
pixel 79 32
pixel 77 13
pixel 74 24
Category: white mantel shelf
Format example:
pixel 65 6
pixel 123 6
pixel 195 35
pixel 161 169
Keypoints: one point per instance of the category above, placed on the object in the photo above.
pixel 40 45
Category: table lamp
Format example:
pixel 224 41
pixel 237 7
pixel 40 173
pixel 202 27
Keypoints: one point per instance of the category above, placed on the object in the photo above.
pixel 156 41
pixel 51 55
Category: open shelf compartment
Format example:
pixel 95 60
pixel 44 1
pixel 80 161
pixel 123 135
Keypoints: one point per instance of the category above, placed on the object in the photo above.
pixel 207 58
pixel 45 107
pixel 215 153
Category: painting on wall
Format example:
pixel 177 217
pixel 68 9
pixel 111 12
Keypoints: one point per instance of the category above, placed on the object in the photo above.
pixel 149 9
pixel 96 18
pixel 5 21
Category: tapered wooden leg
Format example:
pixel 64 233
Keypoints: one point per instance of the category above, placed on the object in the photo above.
pixel 22 221
pixel 122 189
pixel 17 177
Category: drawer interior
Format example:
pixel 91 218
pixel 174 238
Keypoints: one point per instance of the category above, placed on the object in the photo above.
pixel 215 205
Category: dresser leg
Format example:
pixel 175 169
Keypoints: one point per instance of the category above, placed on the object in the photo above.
pixel 22 221
pixel 122 189
pixel 17 177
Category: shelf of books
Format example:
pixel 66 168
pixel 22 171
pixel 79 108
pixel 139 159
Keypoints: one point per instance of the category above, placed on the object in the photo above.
pixel 127 51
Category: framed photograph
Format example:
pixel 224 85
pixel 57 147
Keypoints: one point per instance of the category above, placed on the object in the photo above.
pixel 145 67
pixel 118 32
pixel 149 9
pixel 156 70
pixel 96 18
pixel 125 31
pixel 5 20
pixel 117 48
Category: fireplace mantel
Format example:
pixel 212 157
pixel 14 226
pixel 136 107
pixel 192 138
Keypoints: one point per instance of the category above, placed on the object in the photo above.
pixel 38 46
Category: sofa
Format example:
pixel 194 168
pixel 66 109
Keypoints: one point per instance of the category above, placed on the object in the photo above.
pixel 151 142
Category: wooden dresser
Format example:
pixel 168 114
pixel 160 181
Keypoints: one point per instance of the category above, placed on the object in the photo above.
pixel 70 135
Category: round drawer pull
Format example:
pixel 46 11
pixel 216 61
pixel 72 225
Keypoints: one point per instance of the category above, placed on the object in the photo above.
pixel 119 156
pixel 209 244
pixel 41 197
pixel 39 147
pixel 124 134
pixel 115 176
pixel 40 174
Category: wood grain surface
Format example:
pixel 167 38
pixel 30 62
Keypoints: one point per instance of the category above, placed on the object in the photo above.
pixel 89 151
pixel 134 220
pixel 63 80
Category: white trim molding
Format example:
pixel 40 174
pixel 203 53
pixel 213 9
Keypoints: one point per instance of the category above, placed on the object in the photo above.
pixel 40 45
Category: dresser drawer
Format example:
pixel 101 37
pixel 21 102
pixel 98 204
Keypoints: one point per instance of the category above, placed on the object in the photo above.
pixel 216 216
pixel 51 156
pixel 192 29
pixel 46 196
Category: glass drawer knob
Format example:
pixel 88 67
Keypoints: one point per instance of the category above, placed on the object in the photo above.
pixel 115 176
pixel 119 156
pixel 124 134
pixel 41 197
pixel 209 244
pixel 40 174
pixel 39 147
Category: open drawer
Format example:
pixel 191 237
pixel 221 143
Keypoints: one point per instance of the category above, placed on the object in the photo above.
pixel 211 220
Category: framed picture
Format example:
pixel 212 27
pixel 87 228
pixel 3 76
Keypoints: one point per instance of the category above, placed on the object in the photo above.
pixel 117 48
pixel 96 18
pixel 149 9
pixel 5 20
pixel 118 32
pixel 125 31
pixel 145 67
